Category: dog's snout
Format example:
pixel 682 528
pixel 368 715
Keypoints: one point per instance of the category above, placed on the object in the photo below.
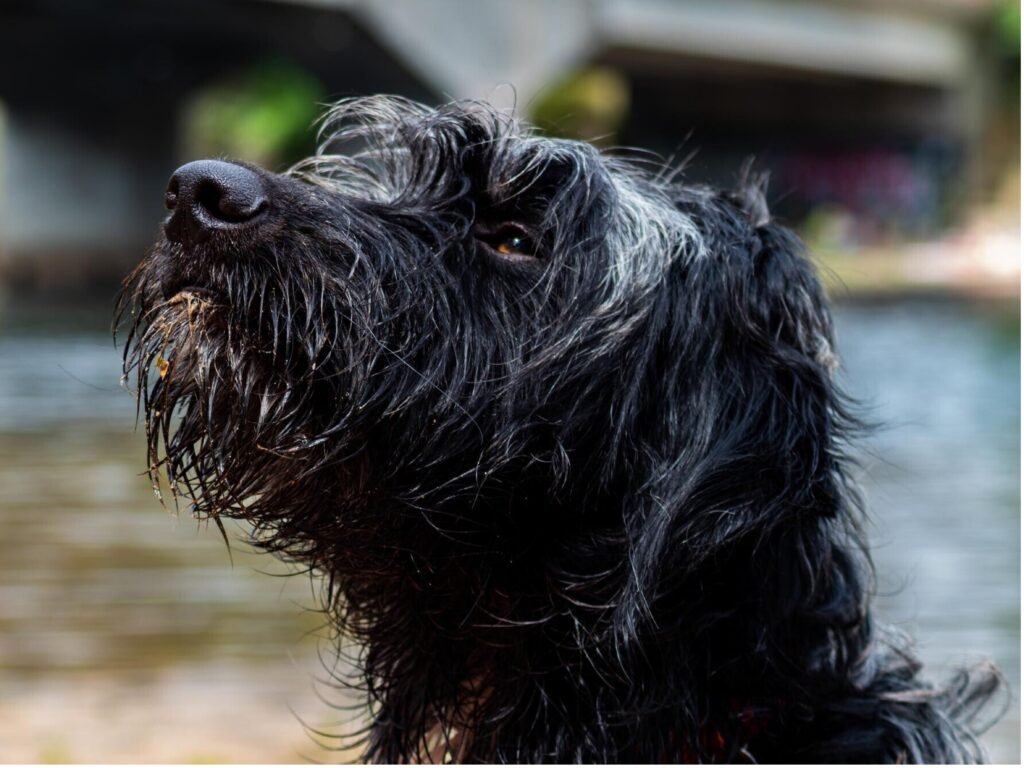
pixel 210 195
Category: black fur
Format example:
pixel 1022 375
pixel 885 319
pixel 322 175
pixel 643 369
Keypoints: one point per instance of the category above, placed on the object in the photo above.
pixel 587 505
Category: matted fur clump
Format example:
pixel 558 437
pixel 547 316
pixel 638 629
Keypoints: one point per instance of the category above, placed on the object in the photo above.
pixel 561 434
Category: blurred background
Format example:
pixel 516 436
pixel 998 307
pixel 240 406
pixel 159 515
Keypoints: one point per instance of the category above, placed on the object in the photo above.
pixel 891 130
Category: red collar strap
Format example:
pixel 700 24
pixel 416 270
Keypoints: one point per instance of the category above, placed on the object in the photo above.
pixel 728 744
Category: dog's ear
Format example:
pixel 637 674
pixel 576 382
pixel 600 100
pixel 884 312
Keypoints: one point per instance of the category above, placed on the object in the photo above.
pixel 752 442
pixel 781 291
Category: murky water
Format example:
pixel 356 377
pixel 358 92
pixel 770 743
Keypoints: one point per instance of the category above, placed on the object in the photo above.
pixel 127 635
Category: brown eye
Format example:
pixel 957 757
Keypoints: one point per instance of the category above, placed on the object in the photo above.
pixel 513 243
pixel 509 241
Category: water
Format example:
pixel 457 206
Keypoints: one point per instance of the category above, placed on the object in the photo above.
pixel 942 481
pixel 127 635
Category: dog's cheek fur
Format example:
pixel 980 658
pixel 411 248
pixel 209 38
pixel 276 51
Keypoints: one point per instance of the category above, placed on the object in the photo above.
pixel 755 428
pixel 742 531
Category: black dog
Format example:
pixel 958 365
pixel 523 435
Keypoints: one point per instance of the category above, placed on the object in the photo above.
pixel 561 434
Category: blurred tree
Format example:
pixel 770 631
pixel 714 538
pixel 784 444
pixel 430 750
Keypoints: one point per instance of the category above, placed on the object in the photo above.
pixel 1007 47
pixel 1002 141
pixel 590 104
pixel 1008 22
pixel 264 115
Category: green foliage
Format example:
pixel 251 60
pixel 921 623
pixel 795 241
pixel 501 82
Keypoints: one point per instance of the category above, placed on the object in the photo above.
pixel 590 104
pixel 263 115
pixel 1005 36
pixel 1008 27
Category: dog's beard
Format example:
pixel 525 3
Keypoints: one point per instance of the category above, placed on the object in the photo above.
pixel 233 390
pixel 195 414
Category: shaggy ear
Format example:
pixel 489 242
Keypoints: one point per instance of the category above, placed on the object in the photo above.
pixel 788 313
pixel 783 295
pixel 755 443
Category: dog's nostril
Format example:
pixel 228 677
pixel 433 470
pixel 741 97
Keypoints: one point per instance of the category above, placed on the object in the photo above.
pixel 228 204
pixel 209 195
pixel 171 196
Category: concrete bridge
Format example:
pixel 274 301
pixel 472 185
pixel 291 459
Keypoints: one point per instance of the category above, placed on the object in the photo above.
pixel 91 92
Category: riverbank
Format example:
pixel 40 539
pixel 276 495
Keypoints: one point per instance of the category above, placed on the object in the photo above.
pixel 975 265
pixel 201 714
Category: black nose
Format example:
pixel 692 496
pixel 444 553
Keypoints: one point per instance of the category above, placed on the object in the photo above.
pixel 206 196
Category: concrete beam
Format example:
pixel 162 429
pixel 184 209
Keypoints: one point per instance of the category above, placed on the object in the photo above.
pixel 467 49
pixel 848 39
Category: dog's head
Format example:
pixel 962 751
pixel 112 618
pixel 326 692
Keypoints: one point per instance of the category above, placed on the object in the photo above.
pixel 445 317
pixel 560 431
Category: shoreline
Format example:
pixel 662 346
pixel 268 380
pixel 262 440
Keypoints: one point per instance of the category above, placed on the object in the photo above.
pixel 973 268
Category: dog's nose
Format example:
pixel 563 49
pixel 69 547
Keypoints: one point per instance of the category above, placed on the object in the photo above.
pixel 206 196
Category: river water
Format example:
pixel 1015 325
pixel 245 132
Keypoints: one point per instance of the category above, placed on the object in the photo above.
pixel 127 634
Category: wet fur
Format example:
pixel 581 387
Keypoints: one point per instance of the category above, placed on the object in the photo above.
pixel 592 508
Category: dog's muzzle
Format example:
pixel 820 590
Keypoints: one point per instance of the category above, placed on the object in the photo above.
pixel 208 196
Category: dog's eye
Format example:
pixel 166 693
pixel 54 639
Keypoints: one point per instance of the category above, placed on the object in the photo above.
pixel 514 242
pixel 508 241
